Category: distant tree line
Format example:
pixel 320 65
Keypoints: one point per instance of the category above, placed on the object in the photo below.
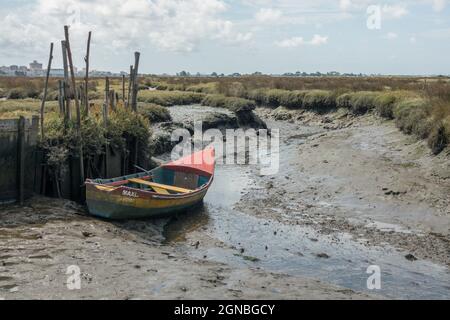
pixel 287 74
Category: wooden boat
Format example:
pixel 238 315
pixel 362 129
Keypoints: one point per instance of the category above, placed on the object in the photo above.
pixel 170 188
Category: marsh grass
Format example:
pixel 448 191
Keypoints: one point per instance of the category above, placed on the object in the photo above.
pixel 435 86
pixel 154 113
pixel 418 106
pixel 123 127
pixel 170 98
pixel 231 103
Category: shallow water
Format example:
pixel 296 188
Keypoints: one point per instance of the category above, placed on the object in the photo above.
pixel 299 250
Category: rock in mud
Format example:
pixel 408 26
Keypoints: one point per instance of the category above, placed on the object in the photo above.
pixel 249 120
pixel 410 257
pixel 281 114
pixel 220 121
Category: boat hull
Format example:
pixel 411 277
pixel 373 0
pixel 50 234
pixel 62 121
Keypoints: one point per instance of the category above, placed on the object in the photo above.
pixel 171 188
pixel 122 207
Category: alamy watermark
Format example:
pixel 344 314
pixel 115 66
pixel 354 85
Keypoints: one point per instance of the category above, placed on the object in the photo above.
pixel 233 146
pixel 374 280
pixel 74 277
pixel 374 13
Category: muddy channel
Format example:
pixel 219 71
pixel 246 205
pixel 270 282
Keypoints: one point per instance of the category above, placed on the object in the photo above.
pixel 350 194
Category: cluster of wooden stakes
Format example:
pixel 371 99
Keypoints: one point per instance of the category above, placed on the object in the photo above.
pixel 68 90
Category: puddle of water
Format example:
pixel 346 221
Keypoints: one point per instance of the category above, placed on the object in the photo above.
pixel 388 227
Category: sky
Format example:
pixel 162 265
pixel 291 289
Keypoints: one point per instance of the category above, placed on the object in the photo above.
pixel 225 36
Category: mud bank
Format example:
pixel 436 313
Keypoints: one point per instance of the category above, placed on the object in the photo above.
pixel 362 176
pixel 185 117
pixel 122 261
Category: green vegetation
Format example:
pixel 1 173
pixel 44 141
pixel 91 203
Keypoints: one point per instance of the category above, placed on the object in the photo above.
pixel 418 106
pixel 10 109
pixel 170 98
pixel 154 113
pixel 232 103
pixel 123 128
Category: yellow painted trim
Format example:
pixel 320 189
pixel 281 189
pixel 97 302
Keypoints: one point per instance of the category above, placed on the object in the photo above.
pixel 162 186
pixel 105 188
pixel 160 190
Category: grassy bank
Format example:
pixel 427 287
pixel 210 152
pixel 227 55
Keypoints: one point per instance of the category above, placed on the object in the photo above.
pixel 231 103
pixel 154 113
pixel 413 113
pixel 170 98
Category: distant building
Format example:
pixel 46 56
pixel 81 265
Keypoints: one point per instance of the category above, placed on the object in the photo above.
pixel 35 66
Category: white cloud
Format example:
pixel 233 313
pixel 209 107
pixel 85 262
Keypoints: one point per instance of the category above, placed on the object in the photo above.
pixel 439 5
pixel 265 15
pixel 354 4
pixel 394 11
pixel 293 42
pixel 170 25
pixel 391 36
pixel 345 4
pixel 318 40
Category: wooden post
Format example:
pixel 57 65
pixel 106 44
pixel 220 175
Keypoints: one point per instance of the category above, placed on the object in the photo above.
pixel 105 123
pixel 61 97
pixel 134 102
pixel 21 161
pixel 135 81
pixel 106 103
pixel 123 89
pixel 44 98
pixel 130 86
pixel 66 80
pixel 86 79
pixel 72 76
pixel 112 100
pixel 77 103
pixel 81 95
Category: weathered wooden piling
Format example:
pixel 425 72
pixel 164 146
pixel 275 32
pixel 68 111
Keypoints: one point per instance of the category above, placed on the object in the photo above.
pixel 44 98
pixel 123 89
pixel 130 86
pixel 77 104
pixel 105 123
pixel 112 100
pixel 21 161
pixel 86 79
pixel 106 102
pixel 135 81
pixel 68 110
pixel 61 97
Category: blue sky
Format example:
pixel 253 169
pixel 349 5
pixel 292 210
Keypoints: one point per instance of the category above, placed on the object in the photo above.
pixel 271 36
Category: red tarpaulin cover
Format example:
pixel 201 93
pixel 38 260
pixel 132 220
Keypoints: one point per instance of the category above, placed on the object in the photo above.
pixel 202 161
